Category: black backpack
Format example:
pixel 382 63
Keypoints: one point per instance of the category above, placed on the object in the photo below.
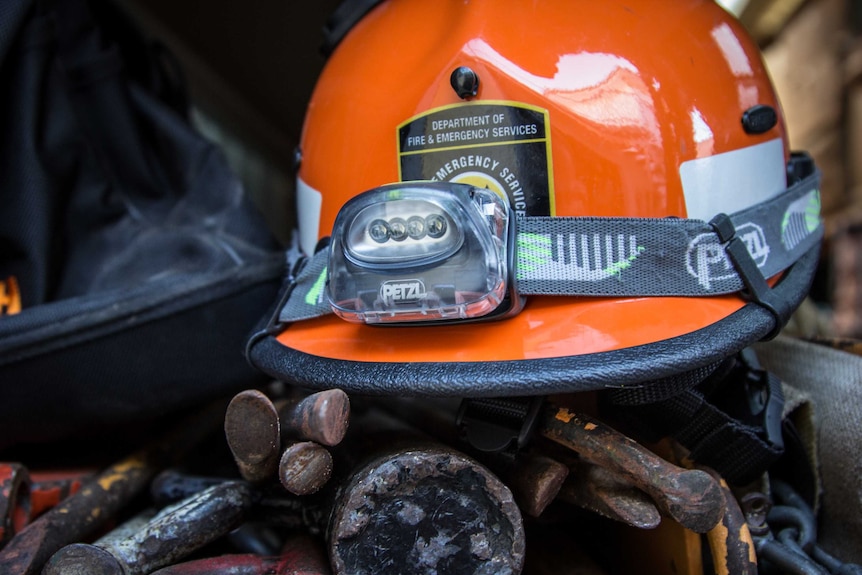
pixel 132 263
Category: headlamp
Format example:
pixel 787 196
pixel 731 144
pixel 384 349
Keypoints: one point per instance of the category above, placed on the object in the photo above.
pixel 422 251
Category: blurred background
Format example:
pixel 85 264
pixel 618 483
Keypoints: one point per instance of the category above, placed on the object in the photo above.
pixel 251 72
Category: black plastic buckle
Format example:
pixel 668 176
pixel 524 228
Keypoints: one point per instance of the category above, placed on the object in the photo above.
pixel 762 400
pixel 497 425
pixel 756 289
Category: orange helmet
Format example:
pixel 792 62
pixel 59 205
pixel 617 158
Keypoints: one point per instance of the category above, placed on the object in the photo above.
pixel 579 153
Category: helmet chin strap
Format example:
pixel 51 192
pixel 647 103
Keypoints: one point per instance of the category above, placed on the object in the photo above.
pixel 730 420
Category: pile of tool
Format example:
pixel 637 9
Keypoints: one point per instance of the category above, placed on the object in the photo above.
pixel 317 484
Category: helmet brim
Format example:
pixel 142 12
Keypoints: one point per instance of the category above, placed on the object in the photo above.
pixel 556 345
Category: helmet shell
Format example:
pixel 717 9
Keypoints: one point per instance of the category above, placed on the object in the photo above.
pixel 639 109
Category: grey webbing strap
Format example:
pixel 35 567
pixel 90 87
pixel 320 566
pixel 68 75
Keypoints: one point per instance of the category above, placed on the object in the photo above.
pixel 307 298
pixel 632 257
pixel 663 257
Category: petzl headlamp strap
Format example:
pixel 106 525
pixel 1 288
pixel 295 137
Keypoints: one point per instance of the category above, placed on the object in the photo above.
pixel 634 257
pixel 630 257
pixel 306 298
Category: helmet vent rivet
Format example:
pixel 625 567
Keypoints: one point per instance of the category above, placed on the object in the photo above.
pixel 759 119
pixel 465 82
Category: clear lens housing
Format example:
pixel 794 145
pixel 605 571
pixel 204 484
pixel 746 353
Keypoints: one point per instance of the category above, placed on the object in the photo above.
pixel 418 252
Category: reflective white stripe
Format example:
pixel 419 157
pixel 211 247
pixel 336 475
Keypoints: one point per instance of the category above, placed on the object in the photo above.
pixel 308 202
pixel 730 182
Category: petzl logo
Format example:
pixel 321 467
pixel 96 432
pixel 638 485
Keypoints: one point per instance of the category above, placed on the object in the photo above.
pixel 707 260
pixel 402 291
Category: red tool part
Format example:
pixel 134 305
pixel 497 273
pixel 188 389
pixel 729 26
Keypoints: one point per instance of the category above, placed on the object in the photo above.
pixel 48 489
pixel 300 556
pixel 14 500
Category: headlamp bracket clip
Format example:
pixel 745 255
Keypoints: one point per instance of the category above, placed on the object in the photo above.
pixel 756 289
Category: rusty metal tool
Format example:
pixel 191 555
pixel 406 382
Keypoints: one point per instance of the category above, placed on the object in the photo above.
pixel 272 505
pixel 432 505
pixel 437 509
pixel 255 427
pixel 305 467
pixel 302 555
pixel 535 480
pixel 599 490
pixel 100 498
pixel 14 500
pixel 322 417
pixel 690 496
pixel 170 536
pixel 426 509
pixel 25 495
pixel 730 542
pixel 253 434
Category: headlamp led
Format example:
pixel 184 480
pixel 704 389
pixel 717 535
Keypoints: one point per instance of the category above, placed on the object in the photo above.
pixel 422 251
